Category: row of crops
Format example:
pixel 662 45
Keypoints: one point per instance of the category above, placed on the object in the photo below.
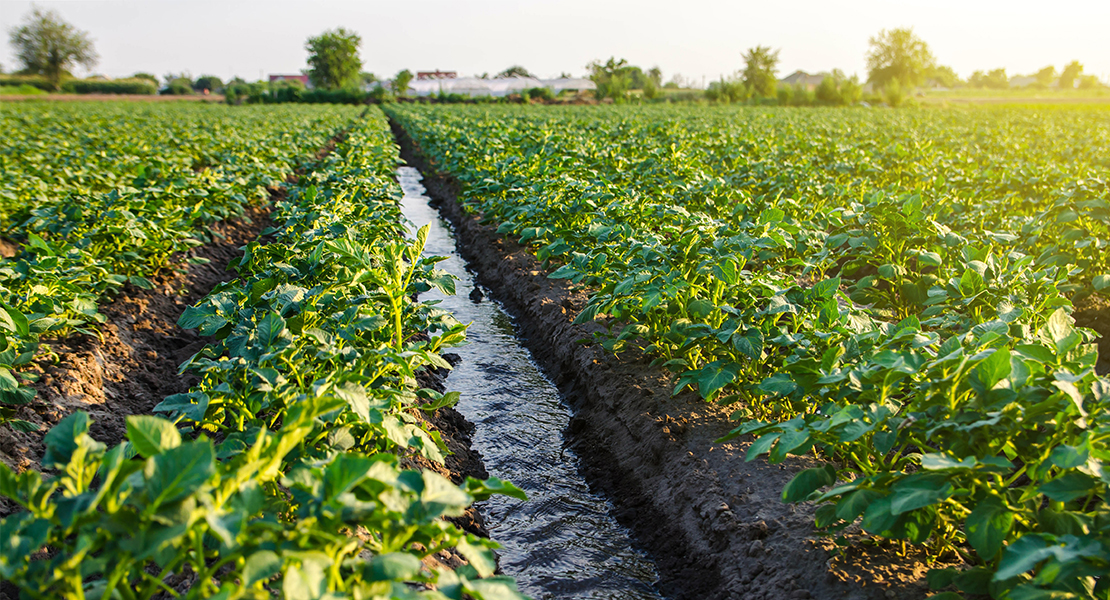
pixel 892 291
pixel 96 197
pixel 280 471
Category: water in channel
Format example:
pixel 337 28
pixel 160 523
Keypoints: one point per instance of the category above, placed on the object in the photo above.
pixel 562 542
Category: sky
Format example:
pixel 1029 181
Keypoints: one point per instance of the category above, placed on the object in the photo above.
pixel 699 39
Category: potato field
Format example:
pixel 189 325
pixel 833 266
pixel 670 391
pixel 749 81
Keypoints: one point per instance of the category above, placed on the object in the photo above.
pixel 900 310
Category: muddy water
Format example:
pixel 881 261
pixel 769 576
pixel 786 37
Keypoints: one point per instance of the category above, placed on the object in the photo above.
pixel 562 542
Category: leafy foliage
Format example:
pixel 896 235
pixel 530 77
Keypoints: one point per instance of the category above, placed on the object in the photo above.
pixel 889 291
pixel 310 377
pixel 48 46
pixel 333 60
pixel 139 190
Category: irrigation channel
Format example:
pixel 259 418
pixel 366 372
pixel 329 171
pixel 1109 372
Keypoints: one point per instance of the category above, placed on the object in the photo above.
pixel 563 542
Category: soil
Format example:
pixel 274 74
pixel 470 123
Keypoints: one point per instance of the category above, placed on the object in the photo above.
pixel 714 523
pixel 1094 312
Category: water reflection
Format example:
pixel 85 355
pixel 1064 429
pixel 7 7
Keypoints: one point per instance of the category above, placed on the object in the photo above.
pixel 562 542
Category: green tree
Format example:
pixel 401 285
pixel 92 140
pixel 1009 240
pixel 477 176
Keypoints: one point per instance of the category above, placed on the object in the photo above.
pixel 997 79
pixel 147 76
pixel 611 78
pixel 333 60
pixel 208 82
pixel 944 76
pixel 48 46
pixel 898 55
pixel 1046 76
pixel 514 71
pixel 1089 82
pixel 655 74
pixel 760 65
pixel 401 82
pixel 1070 73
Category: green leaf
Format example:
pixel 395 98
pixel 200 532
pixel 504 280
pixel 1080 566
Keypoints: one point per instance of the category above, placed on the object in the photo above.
pixel 1069 457
pixel 716 375
pixel 988 525
pixel 151 436
pixel 749 344
pixel 307 582
pixel 1101 282
pixel 853 504
pixel 61 440
pixel 270 328
pixel 940 578
pixel 479 556
pixel 1059 326
pixel 918 491
pixel 779 384
pixel 762 445
pixel 807 481
pixel 394 566
pixel 994 368
pixel 179 472
pixel 929 259
pixel 141 282
pixel 260 566
pixel 192 405
pixel 1069 486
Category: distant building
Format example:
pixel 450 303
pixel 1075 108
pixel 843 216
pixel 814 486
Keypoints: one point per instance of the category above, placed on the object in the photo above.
pixel 301 78
pixel 1022 81
pixel 474 86
pixel 437 74
pixel 810 82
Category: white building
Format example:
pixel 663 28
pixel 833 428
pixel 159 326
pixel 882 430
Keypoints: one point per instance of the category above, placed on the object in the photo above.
pixel 474 86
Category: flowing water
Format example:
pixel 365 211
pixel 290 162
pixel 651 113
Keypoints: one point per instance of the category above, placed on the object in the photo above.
pixel 563 542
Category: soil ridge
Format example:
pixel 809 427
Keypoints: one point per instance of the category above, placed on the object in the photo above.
pixel 715 524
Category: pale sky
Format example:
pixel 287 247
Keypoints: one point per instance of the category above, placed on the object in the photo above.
pixel 696 38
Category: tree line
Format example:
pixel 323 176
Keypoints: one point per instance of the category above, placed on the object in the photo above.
pixel 898 61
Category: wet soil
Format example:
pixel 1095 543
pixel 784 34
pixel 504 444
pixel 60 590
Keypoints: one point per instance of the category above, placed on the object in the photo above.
pixel 714 524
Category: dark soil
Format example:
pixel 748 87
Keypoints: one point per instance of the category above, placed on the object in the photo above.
pixel 714 524
pixel 1094 312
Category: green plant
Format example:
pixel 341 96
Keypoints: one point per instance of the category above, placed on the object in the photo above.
pixel 899 309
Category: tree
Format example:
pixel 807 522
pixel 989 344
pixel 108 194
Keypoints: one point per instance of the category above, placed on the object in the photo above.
pixel 401 82
pixel 1089 82
pixel 944 76
pixel 997 79
pixel 655 74
pixel 1045 76
pixel 333 60
pixel 514 71
pixel 147 76
pixel 611 78
pixel 1070 73
pixel 48 46
pixel 207 82
pixel 760 65
pixel 898 55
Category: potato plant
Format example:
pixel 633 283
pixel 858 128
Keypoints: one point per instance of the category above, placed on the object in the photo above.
pixel 277 475
pixel 100 197
pixel 889 290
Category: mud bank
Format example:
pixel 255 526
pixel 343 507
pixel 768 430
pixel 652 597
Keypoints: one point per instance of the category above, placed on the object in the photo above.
pixel 714 523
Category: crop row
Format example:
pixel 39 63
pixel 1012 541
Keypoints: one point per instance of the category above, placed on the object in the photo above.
pixel 890 290
pixel 99 197
pixel 279 472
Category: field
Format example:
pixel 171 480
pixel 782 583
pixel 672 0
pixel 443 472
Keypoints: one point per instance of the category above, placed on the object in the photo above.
pixel 895 316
